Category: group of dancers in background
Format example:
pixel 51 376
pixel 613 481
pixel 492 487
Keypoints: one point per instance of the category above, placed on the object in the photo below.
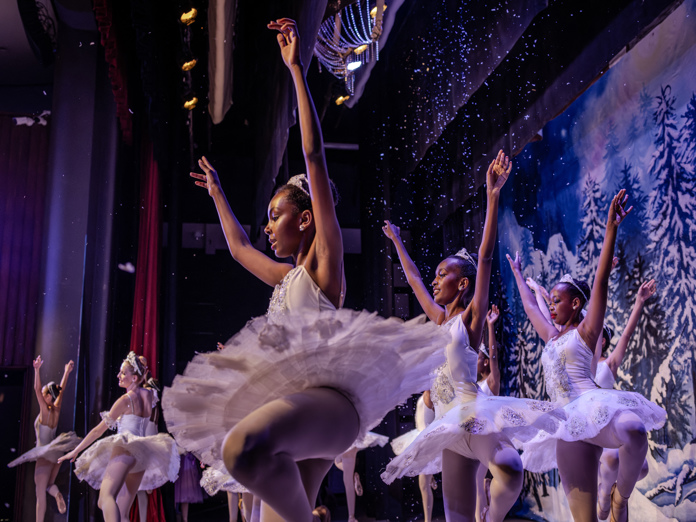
pixel 300 388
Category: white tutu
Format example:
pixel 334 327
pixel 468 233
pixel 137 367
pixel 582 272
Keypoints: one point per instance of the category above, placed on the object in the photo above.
pixel 400 443
pixel 585 417
pixel 215 480
pixel 377 363
pixel 157 455
pixel 518 419
pixel 64 443
pixel 370 440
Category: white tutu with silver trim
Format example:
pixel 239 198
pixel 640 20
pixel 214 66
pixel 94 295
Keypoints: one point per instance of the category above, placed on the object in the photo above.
pixel 62 444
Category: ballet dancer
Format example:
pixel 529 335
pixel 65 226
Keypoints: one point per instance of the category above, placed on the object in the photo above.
pixel 121 464
pixel 595 418
pixel 295 388
pixel 48 447
pixel 470 427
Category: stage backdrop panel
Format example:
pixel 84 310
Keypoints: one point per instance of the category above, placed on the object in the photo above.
pixel 635 128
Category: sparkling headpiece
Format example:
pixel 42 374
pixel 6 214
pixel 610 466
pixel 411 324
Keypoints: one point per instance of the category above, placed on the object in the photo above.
pixel 297 181
pixel 53 389
pixel 464 254
pixel 567 278
pixel 135 363
pixel 484 351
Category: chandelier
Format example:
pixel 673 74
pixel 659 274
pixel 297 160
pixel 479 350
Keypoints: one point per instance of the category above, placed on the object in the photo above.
pixel 350 39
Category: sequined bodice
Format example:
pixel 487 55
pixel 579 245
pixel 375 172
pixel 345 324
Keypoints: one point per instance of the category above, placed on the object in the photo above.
pixel 567 367
pixel 457 376
pixel 44 434
pixel 604 376
pixel 297 291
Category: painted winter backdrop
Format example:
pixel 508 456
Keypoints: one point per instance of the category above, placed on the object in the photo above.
pixel 634 129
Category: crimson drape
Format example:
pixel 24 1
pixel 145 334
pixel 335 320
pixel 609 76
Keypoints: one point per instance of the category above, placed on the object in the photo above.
pixel 144 332
pixel 23 166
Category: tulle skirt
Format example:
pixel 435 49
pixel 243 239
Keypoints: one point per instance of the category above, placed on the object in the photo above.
pixel 216 478
pixel 187 487
pixel 62 444
pixel 377 363
pixel 400 443
pixel 584 419
pixel 518 419
pixel 370 440
pixel 157 455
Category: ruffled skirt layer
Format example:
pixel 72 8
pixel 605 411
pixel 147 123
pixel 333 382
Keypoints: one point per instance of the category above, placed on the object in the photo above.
pixel 585 417
pixel 377 363
pixel 62 444
pixel 518 419
pixel 157 455
pixel 215 479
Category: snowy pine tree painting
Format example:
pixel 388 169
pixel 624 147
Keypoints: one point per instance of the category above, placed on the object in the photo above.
pixel 635 128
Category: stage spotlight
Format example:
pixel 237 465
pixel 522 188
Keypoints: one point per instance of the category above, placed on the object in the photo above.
pixel 189 16
pixel 191 102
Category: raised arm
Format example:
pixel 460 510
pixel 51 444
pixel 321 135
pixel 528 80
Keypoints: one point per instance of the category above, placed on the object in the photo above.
pixel 63 383
pixel 590 328
pixel 269 271
pixel 496 176
pixel 545 329
pixel 329 244
pixel 38 362
pixel 413 276
pixel 119 408
pixel 494 377
pixel 646 290
pixel 542 298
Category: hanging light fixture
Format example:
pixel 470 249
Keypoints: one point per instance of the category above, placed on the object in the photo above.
pixel 350 39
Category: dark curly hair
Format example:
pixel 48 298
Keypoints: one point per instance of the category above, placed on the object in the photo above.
pixel 467 270
pixel 299 198
pixel 574 290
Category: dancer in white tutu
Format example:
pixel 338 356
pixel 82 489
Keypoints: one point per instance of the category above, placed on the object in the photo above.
pixel 596 418
pixel 121 464
pixel 469 427
pixel 48 447
pixel 425 414
pixel 346 463
pixel 297 387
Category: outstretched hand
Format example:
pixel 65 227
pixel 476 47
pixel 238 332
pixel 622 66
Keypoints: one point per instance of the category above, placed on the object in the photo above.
pixel 391 231
pixel 493 314
pixel 288 40
pixel 538 289
pixel 617 210
pixel 515 264
pixel 37 362
pixel 646 290
pixel 68 456
pixel 69 367
pixel 209 180
pixel 498 172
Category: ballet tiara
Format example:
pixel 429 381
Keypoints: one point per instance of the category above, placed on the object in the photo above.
pixel 484 351
pixel 135 363
pixel 464 254
pixel 297 181
pixel 567 278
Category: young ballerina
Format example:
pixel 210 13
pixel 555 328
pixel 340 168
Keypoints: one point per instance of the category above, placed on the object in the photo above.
pixel 596 418
pixel 470 427
pixel 487 368
pixel 296 387
pixel 425 414
pixel 121 464
pixel 48 447
pixel 346 463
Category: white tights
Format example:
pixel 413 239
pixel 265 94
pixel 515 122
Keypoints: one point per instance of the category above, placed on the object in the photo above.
pixel 282 451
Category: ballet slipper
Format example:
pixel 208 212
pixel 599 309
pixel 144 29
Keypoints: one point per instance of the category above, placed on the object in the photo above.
pixel 322 514
pixel 60 501
pixel 357 484
pixel 621 505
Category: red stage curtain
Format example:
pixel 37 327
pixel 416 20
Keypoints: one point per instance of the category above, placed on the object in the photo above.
pixel 23 166
pixel 144 332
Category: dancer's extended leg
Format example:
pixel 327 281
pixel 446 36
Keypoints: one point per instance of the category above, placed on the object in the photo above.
pixel 233 506
pixel 54 491
pixel 114 478
pixel 127 495
pixel 481 495
pixel 348 468
pixel 458 486
pixel 578 464
pixel 496 452
pixel 263 451
pixel 42 478
pixel 426 495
